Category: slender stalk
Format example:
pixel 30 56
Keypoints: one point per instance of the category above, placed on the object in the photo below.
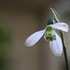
pixel 64 50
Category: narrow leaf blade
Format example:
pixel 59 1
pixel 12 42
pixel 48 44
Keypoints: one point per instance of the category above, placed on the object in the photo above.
pixel 55 14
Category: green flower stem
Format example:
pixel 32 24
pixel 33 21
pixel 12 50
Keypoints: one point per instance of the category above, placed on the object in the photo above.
pixel 64 50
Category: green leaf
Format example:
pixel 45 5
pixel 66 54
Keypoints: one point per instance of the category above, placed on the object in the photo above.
pixel 55 14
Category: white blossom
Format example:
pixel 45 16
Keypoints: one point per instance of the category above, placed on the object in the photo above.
pixel 50 35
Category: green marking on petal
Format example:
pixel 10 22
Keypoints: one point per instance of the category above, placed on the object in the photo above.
pixel 48 33
pixel 49 37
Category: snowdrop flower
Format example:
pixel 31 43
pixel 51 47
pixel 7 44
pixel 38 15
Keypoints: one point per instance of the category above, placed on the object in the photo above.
pixel 49 35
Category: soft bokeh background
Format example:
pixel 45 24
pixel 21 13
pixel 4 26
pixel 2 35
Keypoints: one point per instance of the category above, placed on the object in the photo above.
pixel 21 18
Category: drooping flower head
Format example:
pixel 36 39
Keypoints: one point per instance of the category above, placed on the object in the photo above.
pixel 50 35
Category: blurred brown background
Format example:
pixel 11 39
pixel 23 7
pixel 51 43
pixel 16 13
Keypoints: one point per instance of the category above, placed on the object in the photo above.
pixel 24 17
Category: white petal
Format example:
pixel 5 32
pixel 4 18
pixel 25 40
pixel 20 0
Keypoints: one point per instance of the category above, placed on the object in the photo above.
pixel 56 46
pixel 34 38
pixel 61 26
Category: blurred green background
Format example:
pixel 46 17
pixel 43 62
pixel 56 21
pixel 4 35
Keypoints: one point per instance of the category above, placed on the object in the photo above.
pixel 18 20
